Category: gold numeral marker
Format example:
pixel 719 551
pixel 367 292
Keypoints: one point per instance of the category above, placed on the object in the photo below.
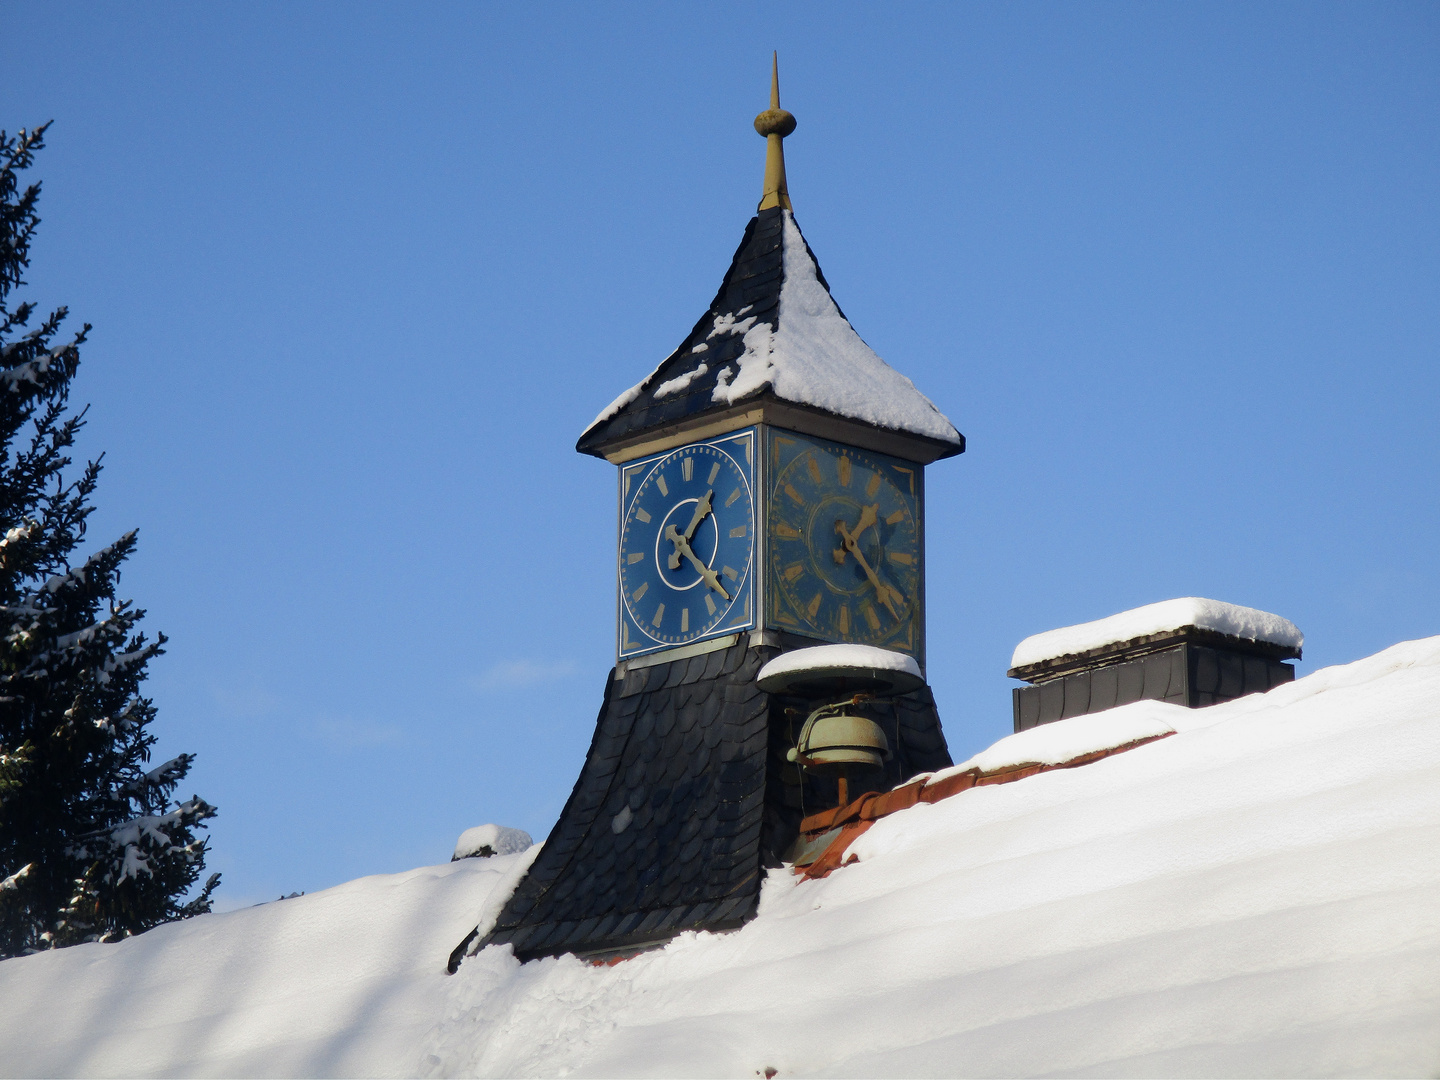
pixel 709 604
pixel 733 496
pixel 793 571
pixel 730 573
pixel 789 532
pixel 665 488
pixel 790 490
pixel 843 468
pixel 868 611
pixel 845 620
pixel 638 593
pixel 895 518
pixel 687 468
pixel 685 617
pixel 660 614
pixel 633 557
pixel 814 467
pixel 738 530
pixel 900 557
pixel 870 488
pixel 813 608
pixel 714 472
pixel 642 515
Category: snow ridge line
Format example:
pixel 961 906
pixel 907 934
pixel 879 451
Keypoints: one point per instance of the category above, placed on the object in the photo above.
pixel 855 818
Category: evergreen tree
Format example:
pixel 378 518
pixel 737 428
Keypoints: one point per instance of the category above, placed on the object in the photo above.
pixel 91 846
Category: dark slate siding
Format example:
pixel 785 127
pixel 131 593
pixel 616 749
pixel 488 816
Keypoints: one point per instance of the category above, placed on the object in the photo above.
pixel 751 289
pixel 680 749
pixel 1189 674
pixel 922 740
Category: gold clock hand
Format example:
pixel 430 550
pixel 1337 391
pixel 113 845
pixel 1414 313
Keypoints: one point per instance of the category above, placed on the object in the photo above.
pixel 673 535
pixel 707 575
pixel 702 511
pixel 868 516
pixel 883 592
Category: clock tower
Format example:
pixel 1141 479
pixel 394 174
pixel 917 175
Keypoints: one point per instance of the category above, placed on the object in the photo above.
pixel 770 497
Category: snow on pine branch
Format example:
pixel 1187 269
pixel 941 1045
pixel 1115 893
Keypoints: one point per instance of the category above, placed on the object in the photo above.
pixel 82 574
pixel 166 775
pixel 27 340
pixel 19 532
pixel 146 837
pixel 31 370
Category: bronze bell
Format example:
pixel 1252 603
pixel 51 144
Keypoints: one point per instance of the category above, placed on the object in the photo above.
pixel 838 739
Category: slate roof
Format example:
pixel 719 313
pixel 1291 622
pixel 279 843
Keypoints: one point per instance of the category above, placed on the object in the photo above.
pixel 679 807
pixel 773 331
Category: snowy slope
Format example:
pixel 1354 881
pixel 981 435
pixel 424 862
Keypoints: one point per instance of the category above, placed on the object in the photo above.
pixel 340 982
pixel 1258 894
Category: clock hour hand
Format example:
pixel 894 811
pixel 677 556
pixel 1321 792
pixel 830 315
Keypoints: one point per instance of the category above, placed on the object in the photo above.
pixel 868 516
pixel 682 546
pixel 702 511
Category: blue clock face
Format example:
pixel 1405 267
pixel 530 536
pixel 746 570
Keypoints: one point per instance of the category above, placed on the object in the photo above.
pixel 686 542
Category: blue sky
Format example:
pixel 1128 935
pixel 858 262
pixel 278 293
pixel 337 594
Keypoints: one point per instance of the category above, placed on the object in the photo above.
pixel 360 275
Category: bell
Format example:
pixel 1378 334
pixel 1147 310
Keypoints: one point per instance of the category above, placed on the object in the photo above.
pixel 839 740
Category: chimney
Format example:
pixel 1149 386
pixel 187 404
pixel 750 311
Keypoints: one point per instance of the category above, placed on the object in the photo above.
pixel 1191 652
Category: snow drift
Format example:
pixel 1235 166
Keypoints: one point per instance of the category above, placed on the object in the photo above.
pixel 1258 894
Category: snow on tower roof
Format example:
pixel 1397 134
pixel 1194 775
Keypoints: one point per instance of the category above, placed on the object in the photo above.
pixel 774 332
pixel 1189 612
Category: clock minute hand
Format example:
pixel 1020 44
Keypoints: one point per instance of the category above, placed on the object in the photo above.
pixel 702 511
pixel 868 518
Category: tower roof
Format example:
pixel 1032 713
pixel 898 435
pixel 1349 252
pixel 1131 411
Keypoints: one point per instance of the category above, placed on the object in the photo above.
pixel 773 334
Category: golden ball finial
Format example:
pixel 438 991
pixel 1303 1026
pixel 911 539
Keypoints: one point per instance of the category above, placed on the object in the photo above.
pixel 775 122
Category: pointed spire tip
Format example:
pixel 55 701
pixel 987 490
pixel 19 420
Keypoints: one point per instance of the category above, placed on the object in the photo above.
pixel 775 123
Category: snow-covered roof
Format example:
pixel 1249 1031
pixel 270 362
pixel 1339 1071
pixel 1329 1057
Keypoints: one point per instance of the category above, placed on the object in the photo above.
pixel 1079 736
pixel 1231 620
pixel 1254 895
pixel 774 331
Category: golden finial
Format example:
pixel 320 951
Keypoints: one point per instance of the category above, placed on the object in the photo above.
pixel 775 123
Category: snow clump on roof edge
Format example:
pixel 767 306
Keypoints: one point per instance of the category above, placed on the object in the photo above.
pixel 1232 619
pixel 496 838
pixel 831 656
pixel 1077 737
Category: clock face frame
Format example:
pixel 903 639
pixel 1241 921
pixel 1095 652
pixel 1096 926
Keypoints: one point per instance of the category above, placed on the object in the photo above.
pixel 844 551
pixel 687 539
